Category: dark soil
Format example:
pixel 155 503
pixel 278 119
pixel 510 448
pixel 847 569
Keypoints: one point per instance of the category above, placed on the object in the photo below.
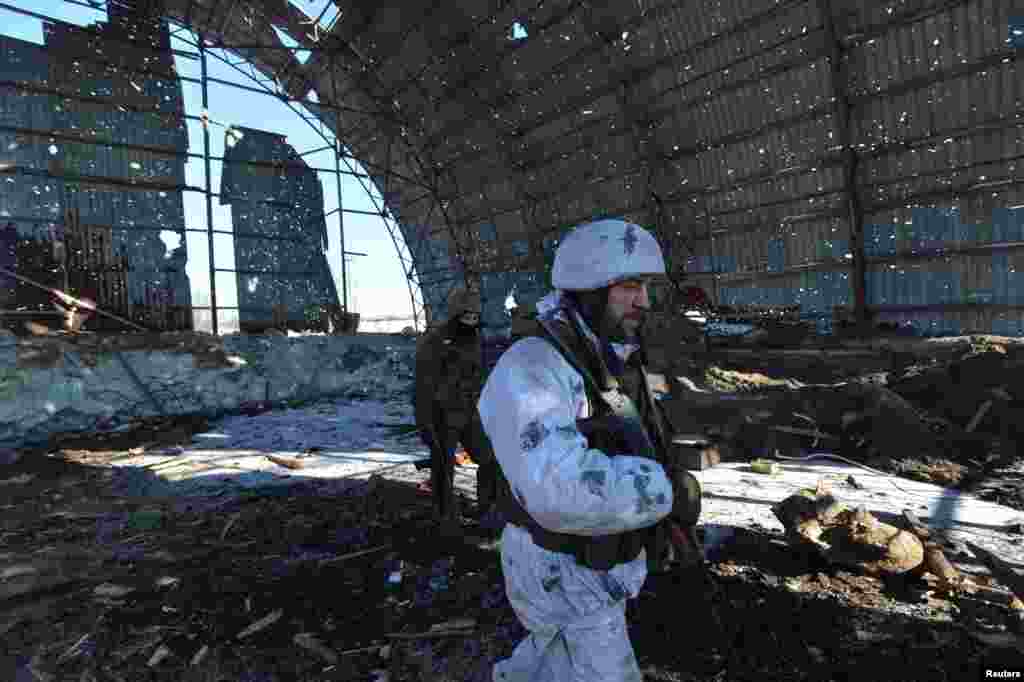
pixel 203 571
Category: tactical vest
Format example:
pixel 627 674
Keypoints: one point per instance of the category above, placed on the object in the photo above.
pixel 461 378
pixel 608 398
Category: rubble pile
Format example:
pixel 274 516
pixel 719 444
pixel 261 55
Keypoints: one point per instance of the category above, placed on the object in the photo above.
pixel 951 417
pixel 846 536
pixel 382 375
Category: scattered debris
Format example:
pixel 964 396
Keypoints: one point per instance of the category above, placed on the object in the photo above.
pixel 978 416
pixel 354 555
pixel 198 657
pixel 18 570
pixel 111 591
pixel 847 537
pixel 227 526
pixel 457 624
pixel 75 650
pixel 310 642
pixel 17 480
pixel 261 624
pixel 159 655
pixel 288 462
pixel 766 466
pixel 432 634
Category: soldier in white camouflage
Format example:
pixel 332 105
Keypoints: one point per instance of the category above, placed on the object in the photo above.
pixel 596 492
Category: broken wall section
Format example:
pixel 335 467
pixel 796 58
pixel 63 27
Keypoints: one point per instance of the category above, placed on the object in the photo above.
pixel 56 385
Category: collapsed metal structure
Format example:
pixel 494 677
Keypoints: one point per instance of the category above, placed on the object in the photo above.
pixel 833 156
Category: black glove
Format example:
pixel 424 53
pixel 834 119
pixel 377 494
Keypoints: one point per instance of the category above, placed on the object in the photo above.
pixel 615 435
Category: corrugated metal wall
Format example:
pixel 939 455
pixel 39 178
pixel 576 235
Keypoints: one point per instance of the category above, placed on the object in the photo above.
pixel 935 101
pixel 49 138
pixel 732 115
pixel 280 228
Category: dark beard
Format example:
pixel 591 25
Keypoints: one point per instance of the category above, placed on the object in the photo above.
pixel 593 307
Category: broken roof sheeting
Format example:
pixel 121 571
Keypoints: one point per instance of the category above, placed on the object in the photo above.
pixel 720 125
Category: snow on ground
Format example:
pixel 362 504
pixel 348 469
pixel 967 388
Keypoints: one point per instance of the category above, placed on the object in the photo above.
pixel 344 442
pixel 334 440
pixel 735 496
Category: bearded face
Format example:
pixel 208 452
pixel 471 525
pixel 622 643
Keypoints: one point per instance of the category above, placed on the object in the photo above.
pixel 628 304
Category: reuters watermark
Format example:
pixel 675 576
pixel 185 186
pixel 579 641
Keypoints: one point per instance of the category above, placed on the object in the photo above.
pixel 1002 674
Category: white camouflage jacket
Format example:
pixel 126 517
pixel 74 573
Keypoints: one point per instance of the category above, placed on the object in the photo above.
pixel 529 407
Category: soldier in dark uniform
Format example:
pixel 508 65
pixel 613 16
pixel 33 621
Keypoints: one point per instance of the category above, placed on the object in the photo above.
pixel 449 377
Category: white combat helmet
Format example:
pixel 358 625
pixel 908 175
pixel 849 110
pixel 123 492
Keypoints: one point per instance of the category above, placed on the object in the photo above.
pixel 599 254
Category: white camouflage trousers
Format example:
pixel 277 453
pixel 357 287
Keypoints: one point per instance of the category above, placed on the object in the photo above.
pixel 576 616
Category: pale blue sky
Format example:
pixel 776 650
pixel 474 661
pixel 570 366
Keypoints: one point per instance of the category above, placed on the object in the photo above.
pixel 377 285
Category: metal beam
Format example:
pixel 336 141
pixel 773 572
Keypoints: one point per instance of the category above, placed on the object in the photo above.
pixel 317 150
pixel 288 102
pixel 364 162
pixel 209 189
pixel 272 273
pixel 844 125
pixel 341 220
